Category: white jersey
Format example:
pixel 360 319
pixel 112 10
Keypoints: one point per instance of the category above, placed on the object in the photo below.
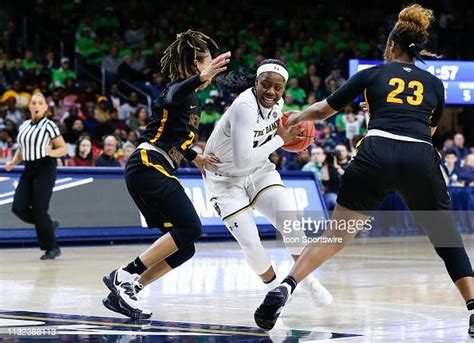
pixel 245 136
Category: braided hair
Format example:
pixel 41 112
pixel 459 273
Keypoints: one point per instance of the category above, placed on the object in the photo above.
pixel 238 81
pixel 411 31
pixel 178 59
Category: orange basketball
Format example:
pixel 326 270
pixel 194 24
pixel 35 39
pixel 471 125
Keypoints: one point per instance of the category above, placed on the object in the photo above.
pixel 300 144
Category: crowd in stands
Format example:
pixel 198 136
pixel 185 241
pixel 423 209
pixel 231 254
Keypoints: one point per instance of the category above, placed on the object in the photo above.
pixel 101 128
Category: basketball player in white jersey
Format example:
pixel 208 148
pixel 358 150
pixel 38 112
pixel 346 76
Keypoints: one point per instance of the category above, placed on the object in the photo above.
pixel 248 132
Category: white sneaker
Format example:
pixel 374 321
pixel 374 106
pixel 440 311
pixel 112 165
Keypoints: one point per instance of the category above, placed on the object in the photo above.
pixel 123 284
pixel 317 292
pixel 280 332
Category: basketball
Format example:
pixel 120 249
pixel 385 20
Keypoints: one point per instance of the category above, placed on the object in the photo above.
pixel 300 144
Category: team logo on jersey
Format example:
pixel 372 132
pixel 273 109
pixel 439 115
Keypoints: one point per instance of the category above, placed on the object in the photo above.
pixel 407 69
pixel 194 120
pixel 175 155
pixel 275 114
pixel 217 208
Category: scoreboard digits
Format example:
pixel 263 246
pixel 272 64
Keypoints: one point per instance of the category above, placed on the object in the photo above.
pixel 457 77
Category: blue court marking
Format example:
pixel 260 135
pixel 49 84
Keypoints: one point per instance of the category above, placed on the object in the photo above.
pixel 77 328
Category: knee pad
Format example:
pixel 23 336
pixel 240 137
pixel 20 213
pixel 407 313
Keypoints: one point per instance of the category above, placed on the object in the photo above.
pixel 456 261
pixel 256 256
pixel 242 227
pixel 181 256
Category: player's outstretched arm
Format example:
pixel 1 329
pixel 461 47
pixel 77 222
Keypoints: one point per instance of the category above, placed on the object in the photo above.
pixel 318 111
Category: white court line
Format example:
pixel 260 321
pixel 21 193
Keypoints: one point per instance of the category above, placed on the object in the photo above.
pixel 58 188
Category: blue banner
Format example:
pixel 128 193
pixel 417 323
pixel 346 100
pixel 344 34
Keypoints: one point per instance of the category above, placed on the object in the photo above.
pixel 93 204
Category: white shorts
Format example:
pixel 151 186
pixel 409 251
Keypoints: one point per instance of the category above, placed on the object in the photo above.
pixel 232 194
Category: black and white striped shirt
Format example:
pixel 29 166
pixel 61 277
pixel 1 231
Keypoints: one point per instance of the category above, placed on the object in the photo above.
pixel 33 138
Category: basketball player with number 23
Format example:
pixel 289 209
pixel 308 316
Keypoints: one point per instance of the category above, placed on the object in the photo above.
pixel 248 132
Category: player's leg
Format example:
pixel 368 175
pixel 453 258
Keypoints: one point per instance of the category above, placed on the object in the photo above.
pixel 313 256
pixel 156 271
pixel 231 202
pixel 159 193
pixel 274 204
pixel 364 185
pixel 161 268
pixel 425 193
pixel 242 226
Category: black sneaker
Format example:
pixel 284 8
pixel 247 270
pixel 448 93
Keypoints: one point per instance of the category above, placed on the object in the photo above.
pixel 124 286
pixel 471 326
pixel 108 280
pixel 268 312
pixel 115 304
pixel 51 254
pixel 138 287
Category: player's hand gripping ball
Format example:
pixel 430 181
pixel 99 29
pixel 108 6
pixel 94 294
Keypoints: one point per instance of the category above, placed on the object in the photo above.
pixel 309 133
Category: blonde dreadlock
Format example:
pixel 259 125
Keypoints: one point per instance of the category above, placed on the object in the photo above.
pixel 178 59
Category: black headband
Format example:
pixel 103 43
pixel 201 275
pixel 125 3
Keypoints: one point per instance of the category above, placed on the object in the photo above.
pixel 412 47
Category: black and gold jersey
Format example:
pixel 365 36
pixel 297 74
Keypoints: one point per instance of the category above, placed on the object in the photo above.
pixel 175 120
pixel 402 98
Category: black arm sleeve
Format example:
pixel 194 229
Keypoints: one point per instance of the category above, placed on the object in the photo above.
pixel 349 90
pixel 179 91
pixel 190 154
pixel 438 111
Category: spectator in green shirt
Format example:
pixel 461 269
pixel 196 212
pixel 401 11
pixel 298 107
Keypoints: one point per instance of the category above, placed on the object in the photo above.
pixel 289 104
pixel 124 50
pixel 107 22
pixel 209 117
pixel 61 74
pixel 287 50
pixel 298 93
pixel 340 122
pixel 28 62
pixel 296 66
pixel 85 44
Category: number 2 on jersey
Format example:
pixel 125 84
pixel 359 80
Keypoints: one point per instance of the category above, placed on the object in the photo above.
pixel 417 87
pixel 188 142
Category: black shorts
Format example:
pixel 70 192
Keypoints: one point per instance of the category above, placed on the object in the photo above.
pixel 158 193
pixel 384 165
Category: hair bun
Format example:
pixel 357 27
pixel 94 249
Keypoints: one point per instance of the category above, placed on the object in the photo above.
pixel 418 15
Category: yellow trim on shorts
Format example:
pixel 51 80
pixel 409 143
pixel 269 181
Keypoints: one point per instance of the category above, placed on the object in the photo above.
pixel 167 224
pixel 253 201
pixel 145 161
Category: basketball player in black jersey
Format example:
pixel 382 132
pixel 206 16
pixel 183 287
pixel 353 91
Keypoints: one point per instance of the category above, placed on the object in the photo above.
pixel 149 173
pixel 405 104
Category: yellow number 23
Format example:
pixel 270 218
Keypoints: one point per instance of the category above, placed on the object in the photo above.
pixel 414 100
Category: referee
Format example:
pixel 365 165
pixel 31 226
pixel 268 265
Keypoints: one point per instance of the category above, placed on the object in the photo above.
pixel 34 190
